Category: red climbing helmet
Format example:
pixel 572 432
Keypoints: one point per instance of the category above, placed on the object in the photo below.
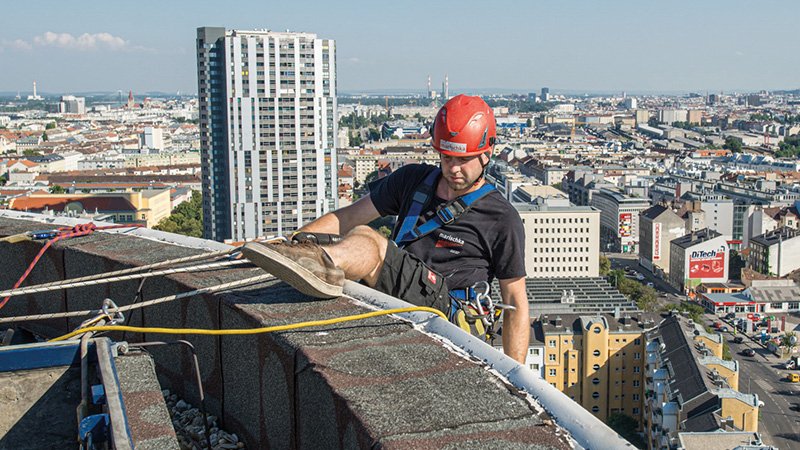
pixel 464 126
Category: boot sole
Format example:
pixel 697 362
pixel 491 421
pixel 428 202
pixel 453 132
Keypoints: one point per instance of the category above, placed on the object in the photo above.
pixel 290 271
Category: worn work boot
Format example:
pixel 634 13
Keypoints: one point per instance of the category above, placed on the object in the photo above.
pixel 304 266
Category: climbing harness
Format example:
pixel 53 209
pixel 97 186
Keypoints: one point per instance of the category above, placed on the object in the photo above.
pixel 445 215
pixel 472 308
pixel 474 311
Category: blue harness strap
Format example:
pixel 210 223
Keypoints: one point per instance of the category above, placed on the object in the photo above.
pixel 409 231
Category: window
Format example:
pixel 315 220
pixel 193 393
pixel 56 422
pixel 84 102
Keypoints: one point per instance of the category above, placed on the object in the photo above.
pixel 595 394
pixel 551 357
pixel 596 367
pixel 552 372
pixel 534 351
pixel 635 383
pixel 637 342
pixel 637 355
pixel 635 397
pixel 595 409
pixel 597 330
pixel 636 369
pixel 535 366
pixel 552 343
pixel 635 411
pixel 595 380
pixel 596 353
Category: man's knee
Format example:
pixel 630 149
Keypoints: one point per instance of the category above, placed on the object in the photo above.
pixel 379 241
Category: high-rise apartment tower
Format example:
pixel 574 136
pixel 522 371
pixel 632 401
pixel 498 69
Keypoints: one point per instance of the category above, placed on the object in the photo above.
pixel 267 130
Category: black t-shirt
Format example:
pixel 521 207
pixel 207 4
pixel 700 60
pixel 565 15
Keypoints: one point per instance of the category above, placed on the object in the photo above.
pixel 486 242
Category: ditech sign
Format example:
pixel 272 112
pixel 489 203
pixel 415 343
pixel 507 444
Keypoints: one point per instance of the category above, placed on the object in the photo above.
pixel 708 263
pixel 702 254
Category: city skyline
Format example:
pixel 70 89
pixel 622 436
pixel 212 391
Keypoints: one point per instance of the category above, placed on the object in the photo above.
pixel 570 47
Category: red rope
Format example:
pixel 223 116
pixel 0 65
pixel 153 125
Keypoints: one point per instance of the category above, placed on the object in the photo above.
pixel 83 229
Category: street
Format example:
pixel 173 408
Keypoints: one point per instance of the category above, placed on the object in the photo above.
pixel 762 374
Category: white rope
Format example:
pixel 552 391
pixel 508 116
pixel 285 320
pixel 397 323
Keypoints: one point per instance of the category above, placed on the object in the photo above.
pixel 72 283
pixel 207 290
pixel 143 268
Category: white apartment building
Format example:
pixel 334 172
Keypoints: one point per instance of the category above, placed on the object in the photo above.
pixel 152 138
pixel 267 130
pixel 561 240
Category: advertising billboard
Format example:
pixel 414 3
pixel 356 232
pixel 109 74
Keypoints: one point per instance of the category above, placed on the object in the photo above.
pixel 707 263
pixel 656 242
pixel 625 224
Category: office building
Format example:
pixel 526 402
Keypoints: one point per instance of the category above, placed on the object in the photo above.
pixel 619 219
pixel 776 252
pixel 152 138
pixel 267 130
pixel 658 226
pixel 72 105
pixel 699 257
pixel 545 94
pixel 563 240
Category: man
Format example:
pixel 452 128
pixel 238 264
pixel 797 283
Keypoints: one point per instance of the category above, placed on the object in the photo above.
pixel 454 232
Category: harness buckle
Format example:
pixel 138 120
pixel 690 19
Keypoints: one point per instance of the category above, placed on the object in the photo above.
pixel 445 216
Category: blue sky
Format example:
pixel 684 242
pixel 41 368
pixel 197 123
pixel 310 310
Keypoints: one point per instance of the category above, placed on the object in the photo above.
pixel 609 46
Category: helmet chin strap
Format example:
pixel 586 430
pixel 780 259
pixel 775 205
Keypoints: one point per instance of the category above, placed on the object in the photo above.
pixel 483 168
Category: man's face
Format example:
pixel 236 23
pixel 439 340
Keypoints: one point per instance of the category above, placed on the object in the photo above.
pixel 461 172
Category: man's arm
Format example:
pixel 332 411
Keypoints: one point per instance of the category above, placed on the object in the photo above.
pixel 344 219
pixel 517 323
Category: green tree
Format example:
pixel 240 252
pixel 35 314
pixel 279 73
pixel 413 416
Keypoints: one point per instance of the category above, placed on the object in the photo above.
pixel 726 351
pixel 3 180
pixel 605 266
pixel 733 144
pixel 355 140
pixel 374 134
pixel 626 426
pixel 56 189
pixel 789 147
pixel 529 123
pixel 186 218
pixel 44 136
pixel 30 152
pixel 789 341
pixel 50 126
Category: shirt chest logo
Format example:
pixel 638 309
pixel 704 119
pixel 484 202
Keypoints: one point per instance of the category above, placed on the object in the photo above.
pixel 449 241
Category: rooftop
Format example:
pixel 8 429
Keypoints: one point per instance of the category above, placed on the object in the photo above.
pixel 383 382
pixel 695 237
pixel 776 236
pixel 572 296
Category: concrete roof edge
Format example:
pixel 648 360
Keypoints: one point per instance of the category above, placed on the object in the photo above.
pixel 145 233
pixel 585 430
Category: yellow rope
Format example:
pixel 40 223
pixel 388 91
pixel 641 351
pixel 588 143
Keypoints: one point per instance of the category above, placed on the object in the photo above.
pixel 273 329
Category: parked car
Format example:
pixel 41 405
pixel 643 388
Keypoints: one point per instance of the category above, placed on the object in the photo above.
pixel 730 316
pixel 639 277
pixel 650 284
pixel 738 339
pixel 793 377
pixel 749 352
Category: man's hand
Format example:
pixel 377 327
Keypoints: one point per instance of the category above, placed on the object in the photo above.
pixel 516 323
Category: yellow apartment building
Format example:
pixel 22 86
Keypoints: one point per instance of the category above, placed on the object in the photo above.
pixel 597 360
